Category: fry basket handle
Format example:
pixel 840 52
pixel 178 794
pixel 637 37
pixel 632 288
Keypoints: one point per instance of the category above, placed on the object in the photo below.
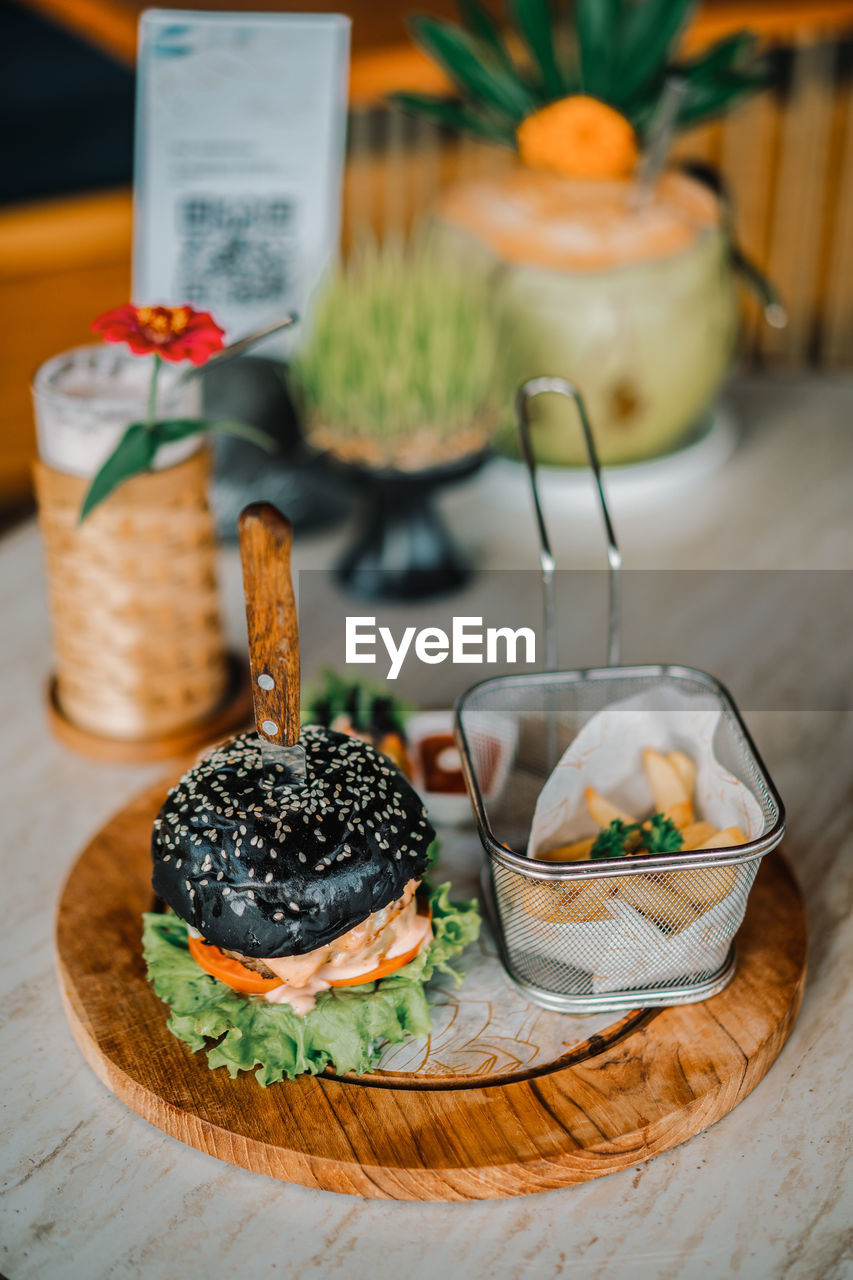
pixel 559 386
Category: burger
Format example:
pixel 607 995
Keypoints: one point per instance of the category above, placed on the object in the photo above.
pixel 299 929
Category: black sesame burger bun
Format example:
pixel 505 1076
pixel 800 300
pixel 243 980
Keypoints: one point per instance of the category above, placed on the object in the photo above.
pixel 271 870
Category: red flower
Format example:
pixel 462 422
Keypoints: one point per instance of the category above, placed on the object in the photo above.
pixel 175 333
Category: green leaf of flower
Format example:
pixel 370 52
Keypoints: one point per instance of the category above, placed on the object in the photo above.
pixel 244 431
pixel 180 428
pixel 174 429
pixel 133 453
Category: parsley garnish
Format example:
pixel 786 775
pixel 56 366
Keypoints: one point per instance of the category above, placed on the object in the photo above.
pixel 612 842
pixel 657 834
pixel 662 835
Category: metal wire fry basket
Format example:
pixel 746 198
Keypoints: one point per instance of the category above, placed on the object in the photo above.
pixel 619 933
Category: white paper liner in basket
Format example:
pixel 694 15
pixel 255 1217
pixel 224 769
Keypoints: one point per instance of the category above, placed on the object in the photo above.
pixel 628 949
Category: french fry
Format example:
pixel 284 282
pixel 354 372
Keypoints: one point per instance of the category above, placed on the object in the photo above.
pixel 557 903
pixel 587 906
pixel 657 902
pixel 602 811
pixel 664 779
pixel 724 839
pixel 680 815
pixel 695 833
pixel 670 794
pixel 577 851
pixel 686 770
pixel 706 886
pixel 672 900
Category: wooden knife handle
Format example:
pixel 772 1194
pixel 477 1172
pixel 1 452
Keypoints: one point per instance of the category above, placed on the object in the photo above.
pixel 265 540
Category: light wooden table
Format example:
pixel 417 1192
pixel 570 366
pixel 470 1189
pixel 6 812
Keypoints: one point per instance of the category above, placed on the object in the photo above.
pixel 91 1190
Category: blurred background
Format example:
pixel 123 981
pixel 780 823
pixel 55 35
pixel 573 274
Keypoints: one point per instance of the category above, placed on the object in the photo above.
pixel 67 122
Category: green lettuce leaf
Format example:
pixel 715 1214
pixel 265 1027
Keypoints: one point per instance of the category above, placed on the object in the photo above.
pixel 348 1027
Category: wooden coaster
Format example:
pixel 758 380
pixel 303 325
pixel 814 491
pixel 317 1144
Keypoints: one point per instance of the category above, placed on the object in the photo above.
pixel 234 713
pixel 648 1083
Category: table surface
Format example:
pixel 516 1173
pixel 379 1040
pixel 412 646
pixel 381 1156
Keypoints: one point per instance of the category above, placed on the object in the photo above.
pixel 90 1189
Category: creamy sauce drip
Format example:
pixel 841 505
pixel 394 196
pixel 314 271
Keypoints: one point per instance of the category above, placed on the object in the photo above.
pixel 402 933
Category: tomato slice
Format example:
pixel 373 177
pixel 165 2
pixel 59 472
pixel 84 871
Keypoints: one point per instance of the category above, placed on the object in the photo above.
pixel 228 970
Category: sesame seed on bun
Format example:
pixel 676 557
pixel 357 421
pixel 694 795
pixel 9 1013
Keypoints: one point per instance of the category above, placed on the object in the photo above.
pixel 268 868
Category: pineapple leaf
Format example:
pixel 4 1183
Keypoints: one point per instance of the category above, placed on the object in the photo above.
pixel 721 56
pixel 596 22
pixel 647 32
pixel 461 56
pixel 481 24
pixel 641 112
pixel 454 115
pixel 704 100
pixel 534 21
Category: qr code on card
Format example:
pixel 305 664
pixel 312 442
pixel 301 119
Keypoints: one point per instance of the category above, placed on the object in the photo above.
pixel 236 250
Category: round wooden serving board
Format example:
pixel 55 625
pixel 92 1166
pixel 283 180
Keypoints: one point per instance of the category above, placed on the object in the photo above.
pixel 646 1084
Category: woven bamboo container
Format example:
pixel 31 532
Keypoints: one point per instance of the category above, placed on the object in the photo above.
pixel 137 634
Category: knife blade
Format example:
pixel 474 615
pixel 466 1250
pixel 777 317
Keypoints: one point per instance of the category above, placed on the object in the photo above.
pixel 266 537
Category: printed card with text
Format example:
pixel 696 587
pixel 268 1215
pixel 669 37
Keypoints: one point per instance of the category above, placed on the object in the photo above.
pixel 241 124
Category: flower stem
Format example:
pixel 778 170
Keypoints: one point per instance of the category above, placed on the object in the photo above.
pixel 152 392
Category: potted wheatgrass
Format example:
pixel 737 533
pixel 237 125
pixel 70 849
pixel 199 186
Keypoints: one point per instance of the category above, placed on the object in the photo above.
pixel 624 267
pixel 401 383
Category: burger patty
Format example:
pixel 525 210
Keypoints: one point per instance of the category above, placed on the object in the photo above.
pixel 299 969
pixel 257 966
